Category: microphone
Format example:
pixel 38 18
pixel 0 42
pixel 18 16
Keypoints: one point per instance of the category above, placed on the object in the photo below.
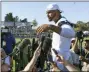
pixel 35 44
pixel 24 43
pixel 45 47
pixel 46 44
pixel 42 40
pixel 21 53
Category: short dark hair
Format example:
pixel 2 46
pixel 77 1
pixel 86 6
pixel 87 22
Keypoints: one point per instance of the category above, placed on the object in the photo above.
pixel 59 11
pixel 87 40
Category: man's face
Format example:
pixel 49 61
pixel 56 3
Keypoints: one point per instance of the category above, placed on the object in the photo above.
pixel 51 14
pixel 87 44
pixel 73 41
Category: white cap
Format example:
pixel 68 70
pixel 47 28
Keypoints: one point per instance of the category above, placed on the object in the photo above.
pixel 72 39
pixel 2 26
pixel 52 7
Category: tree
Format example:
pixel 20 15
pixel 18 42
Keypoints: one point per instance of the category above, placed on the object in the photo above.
pixel 82 26
pixel 16 18
pixel 24 20
pixel 87 24
pixel 80 22
pixel 9 17
pixel 34 23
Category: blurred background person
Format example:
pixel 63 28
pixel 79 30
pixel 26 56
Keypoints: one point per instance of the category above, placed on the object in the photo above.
pixel 5 62
pixel 75 51
pixel 9 39
pixel 85 56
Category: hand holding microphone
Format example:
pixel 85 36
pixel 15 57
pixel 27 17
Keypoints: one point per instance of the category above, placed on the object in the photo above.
pixel 59 57
pixel 37 51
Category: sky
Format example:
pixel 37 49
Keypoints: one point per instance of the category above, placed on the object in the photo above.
pixel 73 11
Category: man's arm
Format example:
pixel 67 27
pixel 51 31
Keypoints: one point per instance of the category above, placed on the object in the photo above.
pixel 64 30
pixel 75 44
pixel 54 28
pixel 46 27
pixel 54 67
pixel 69 66
pixel 31 64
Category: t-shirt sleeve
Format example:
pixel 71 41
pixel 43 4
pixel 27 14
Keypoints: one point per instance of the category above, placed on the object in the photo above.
pixel 7 60
pixel 67 31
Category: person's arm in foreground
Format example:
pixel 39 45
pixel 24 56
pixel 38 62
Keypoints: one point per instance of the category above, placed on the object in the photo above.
pixel 65 30
pixel 31 64
pixel 54 67
pixel 69 66
pixel 75 44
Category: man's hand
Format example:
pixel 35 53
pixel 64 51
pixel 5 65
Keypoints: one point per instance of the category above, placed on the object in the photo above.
pixel 43 28
pixel 37 51
pixel 81 58
pixel 60 58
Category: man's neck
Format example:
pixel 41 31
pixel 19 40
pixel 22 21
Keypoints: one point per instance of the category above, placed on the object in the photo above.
pixel 56 20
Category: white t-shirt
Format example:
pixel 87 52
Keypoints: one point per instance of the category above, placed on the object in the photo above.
pixel 7 60
pixel 61 42
pixel 75 57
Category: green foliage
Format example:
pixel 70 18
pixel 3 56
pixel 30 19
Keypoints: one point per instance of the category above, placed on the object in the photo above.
pixel 24 20
pixel 34 23
pixel 81 26
pixel 16 18
pixel 9 17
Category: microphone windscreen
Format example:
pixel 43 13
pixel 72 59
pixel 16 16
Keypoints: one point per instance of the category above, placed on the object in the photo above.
pixel 46 44
pixel 24 43
pixel 42 40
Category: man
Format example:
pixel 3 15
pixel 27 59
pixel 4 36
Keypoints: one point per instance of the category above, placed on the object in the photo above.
pixel 85 53
pixel 5 61
pixel 75 51
pixel 85 56
pixel 62 32
pixel 10 43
